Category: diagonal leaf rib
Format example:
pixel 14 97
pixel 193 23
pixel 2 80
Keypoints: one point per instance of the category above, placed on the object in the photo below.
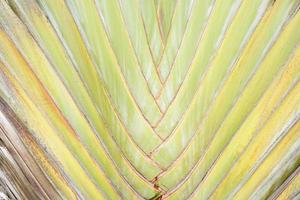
pixel 214 79
pixel 282 41
pixel 151 27
pixel 100 129
pixel 179 22
pixel 112 120
pixel 108 68
pixel 255 51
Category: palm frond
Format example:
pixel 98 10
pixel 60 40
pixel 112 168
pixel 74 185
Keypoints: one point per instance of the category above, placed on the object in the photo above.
pixel 149 99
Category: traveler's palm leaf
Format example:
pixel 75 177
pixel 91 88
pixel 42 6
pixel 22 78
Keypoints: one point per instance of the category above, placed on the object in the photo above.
pixel 150 99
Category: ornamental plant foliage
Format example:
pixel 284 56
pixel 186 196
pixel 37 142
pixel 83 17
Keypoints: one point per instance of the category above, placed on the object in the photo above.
pixel 149 99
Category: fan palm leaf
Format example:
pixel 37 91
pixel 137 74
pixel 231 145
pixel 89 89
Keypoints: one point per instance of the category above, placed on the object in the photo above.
pixel 149 99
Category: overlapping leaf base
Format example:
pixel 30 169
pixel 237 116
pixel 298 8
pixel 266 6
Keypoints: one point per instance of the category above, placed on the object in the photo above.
pixel 151 99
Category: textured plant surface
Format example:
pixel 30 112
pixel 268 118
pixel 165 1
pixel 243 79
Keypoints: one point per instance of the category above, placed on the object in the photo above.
pixel 149 99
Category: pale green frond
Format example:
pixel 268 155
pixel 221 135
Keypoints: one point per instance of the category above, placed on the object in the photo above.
pixel 149 99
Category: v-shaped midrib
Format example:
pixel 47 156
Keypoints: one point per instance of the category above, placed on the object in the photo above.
pixel 196 73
